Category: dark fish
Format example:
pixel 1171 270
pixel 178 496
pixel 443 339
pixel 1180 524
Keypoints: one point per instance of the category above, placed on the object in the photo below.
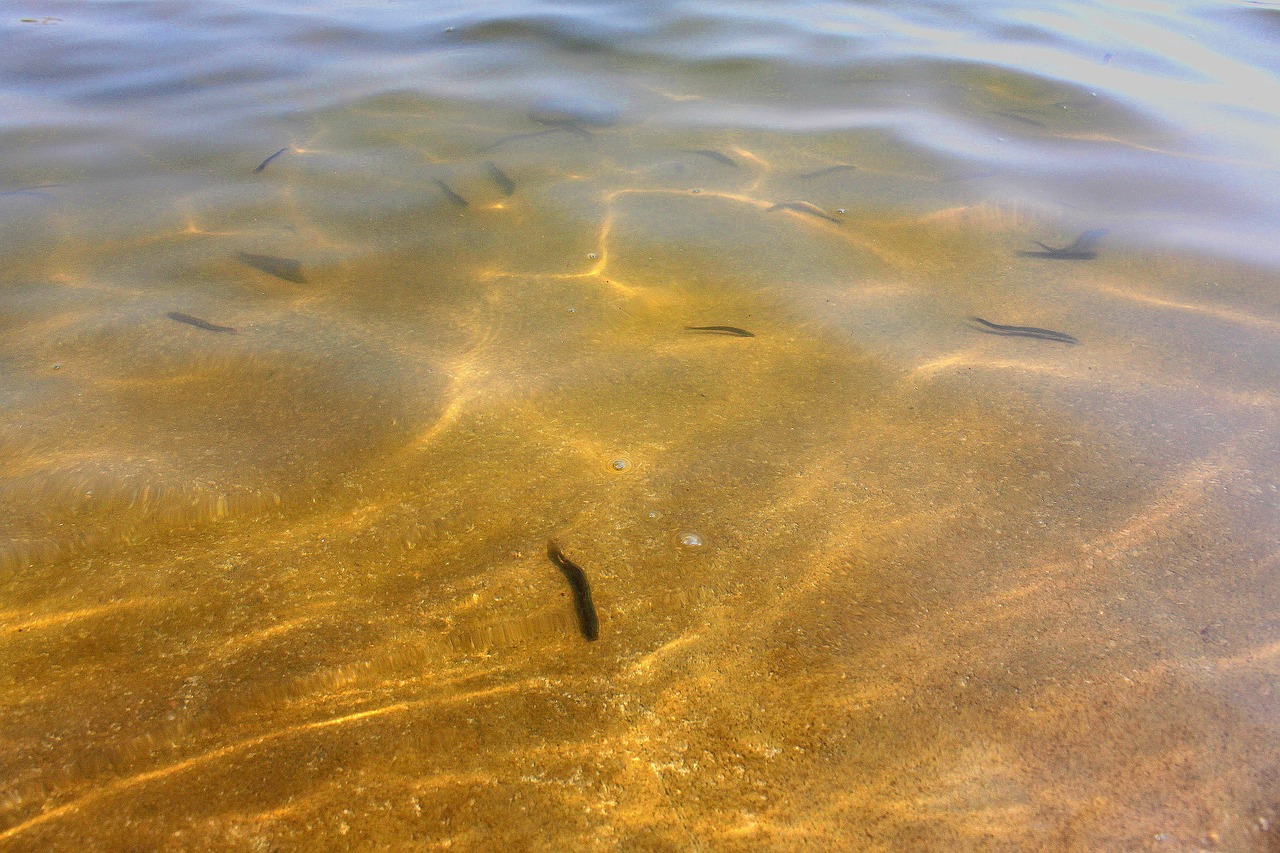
pixel 557 126
pixel 805 207
pixel 264 163
pixel 285 268
pixel 500 178
pixel 34 192
pixel 576 129
pixel 568 125
pixel 714 155
pixel 1024 332
pixel 1022 119
pixel 450 194
pixel 976 176
pixel 513 137
pixel 830 170
pixel 587 619
pixel 1081 250
pixel 724 330
pixel 581 113
pixel 573 116
pixel 198 323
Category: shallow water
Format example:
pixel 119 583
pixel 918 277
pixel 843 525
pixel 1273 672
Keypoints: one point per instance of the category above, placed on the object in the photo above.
pixel 283 447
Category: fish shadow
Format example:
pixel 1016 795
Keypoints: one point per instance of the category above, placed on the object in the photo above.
pixel 285 268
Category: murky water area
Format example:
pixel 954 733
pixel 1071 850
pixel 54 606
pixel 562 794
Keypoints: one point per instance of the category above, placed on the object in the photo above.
pixel 901 379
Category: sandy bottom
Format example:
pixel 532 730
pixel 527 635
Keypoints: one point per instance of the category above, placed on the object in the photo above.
pixel 871 578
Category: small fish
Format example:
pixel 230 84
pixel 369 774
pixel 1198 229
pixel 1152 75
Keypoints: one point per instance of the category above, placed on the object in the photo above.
pixel 500 178
pixel 450 194
pixel 285 268
pixel 198 323
pixel 264 163
pixel 805 207
pixel 513 137
pixel 568 125
pixel 34 192
pixel 1024 332
pixel 576 129
pixel 1081 250
pixel 714 155
pixel 588 622
pixel 830 170
pixel 558 121
pixel 724 330
pixel 1079 104
pixel 573 117
pixel 582 113
pixel 974 176
pixel 1021 118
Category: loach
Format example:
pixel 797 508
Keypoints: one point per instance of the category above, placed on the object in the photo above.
pixel 804 207
pixel 587 619
pixel 450 194
pixel 1083 249
pixel 198 323
pixel 714 155
pixel 727 330
pixel 1024 331
pixel 500 178
pixel 264 163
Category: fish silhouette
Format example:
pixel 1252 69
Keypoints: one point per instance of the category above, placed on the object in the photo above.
pixel 1081 250
pixel 1024 331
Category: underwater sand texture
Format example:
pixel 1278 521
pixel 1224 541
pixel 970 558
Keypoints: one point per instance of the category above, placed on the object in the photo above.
pixel 951 590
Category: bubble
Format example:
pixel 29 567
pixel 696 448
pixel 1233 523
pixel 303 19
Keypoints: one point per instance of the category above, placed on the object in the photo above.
pixel 695 191
pixel 573 310
pixel 690 540
pixel 591 256
pixel 621 464
pixel 840 210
